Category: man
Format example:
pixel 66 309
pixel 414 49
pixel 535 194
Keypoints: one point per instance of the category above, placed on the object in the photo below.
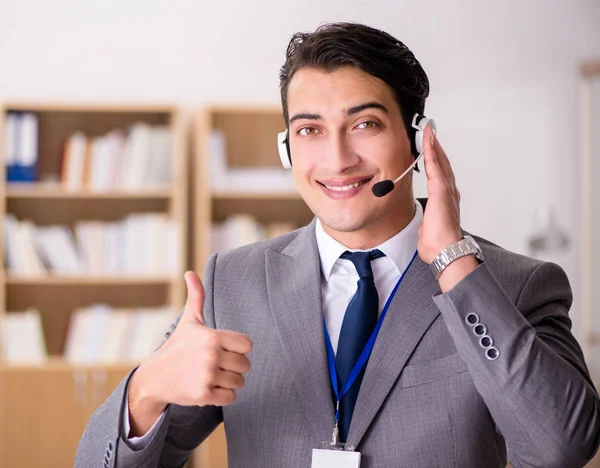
pixel 472 364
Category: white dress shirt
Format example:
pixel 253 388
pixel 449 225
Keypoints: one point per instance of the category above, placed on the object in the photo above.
pixel 340 278
pixel 338 285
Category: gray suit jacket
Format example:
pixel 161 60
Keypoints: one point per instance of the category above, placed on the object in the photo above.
pixel 429 398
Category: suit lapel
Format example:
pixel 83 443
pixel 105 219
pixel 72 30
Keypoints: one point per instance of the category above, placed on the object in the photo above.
pixel 411 313
pixel 294 291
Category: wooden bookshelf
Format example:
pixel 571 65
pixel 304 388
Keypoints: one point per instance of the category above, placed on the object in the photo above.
pixel 89 280
pixel 250 134
pixel 47 405
pixel 43 191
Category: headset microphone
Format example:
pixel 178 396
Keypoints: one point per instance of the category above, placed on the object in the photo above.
pixel 386 186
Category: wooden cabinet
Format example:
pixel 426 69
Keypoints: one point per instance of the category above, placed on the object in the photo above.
pixel 44 411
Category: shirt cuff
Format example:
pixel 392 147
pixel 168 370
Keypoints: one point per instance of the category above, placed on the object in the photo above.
pixel 137 443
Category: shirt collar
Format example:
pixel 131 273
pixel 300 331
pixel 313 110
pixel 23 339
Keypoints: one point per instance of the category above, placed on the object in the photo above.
pixel 399 249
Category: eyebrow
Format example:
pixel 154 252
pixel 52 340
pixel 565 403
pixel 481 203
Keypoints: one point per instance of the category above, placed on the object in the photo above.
pixel 351 111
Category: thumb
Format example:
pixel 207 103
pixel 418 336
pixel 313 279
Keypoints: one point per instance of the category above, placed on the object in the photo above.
pixel 194 304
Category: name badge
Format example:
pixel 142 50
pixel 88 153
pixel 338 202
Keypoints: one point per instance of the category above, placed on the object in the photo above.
pixel 322 458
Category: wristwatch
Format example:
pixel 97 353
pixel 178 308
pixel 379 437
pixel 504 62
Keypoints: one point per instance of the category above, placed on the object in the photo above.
pixel 465 246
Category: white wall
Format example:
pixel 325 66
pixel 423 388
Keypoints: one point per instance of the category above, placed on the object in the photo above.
pixel 504 78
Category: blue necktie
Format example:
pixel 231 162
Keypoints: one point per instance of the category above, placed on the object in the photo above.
pixel 359 322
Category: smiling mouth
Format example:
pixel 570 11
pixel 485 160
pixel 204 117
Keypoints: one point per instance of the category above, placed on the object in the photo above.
pixel 345 188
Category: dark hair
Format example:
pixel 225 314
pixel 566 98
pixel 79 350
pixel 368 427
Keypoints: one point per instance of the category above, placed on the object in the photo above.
pixel 375 52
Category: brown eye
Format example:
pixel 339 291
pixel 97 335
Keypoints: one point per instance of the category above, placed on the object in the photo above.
pixel 307 131
pixel 368 124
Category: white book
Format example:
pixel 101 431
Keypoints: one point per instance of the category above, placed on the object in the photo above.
pixel 116 155
pixel 74 163
pixel 218 160
pixel 148 333
pixel 82 241
pixel 60 249
pixel 96 233
pixel 159 170
pixel 126 344
pixel 136 346
pixel 136 252
pixel 111 258
pixel 97 160
pixel 144 249
pixel 242 229
pixel 29 246
pixel 137 150
pixel 11 131
pixel 127 244
pixel 28 153
pixel 100 316
pixel 23 340
pixel 155 237
pixel 12 254
pixel 114 341
pixel 80 327
pixel 115 144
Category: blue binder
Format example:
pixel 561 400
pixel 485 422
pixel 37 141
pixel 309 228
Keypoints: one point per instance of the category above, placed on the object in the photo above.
pixel 22 146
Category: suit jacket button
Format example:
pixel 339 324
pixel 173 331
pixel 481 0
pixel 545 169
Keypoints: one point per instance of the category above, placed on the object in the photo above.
pixel 486 341
pixel 492 353
pixel 479 329
pixel 472 319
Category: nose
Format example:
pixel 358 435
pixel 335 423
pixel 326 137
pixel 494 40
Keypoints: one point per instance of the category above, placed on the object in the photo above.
pixel 339 154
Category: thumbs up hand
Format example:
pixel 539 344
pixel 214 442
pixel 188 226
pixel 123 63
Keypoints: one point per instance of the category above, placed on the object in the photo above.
pixel 197 365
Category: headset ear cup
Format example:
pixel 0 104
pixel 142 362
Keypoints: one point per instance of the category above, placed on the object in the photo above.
pixel 284 150
pixel 414 135
pixel 289 153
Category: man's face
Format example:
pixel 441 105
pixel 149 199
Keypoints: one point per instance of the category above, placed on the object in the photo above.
pixel 346 133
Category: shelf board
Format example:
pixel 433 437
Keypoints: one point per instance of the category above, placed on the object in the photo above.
pixel 256 195
pixel 98 107
pixel 50 280
pixel 243 109
pixel 45 191
pixel 54 363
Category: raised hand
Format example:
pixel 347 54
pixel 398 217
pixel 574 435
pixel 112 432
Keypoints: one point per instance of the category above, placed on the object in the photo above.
pixel 197 365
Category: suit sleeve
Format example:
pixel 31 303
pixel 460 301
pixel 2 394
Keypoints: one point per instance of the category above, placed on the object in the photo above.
pixel 172 442
pixel 536 385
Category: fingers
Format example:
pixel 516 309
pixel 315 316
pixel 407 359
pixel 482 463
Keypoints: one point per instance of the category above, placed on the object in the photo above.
pixel 235 342
pixel 432 167
pixel 221 396
pixel 439 164
pixel 194 304
pixel 229 380
pixel 234 362
pixel 442 159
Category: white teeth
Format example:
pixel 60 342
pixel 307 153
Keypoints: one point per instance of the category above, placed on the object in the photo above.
pixel 346 187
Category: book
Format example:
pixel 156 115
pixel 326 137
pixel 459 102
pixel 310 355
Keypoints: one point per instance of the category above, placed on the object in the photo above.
pixel 23 340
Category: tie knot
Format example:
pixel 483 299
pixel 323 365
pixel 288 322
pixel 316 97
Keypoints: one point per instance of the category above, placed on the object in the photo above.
pixel 362 261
